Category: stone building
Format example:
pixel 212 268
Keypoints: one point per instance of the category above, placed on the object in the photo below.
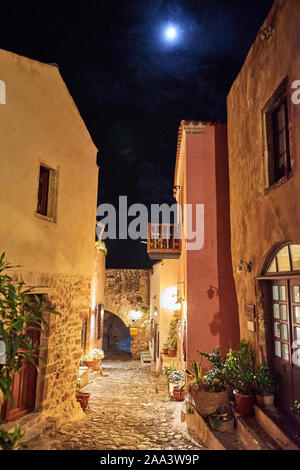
pixel 48 196
pixel 127 294
pixel 264 163
pixel 196 281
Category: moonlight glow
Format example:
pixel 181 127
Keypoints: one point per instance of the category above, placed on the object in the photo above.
pixel 171 33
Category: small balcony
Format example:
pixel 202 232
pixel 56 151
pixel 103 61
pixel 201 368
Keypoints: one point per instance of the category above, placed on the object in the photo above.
pixel 164 241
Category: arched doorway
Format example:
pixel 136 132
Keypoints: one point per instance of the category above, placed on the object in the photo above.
pixel 281 281
pixel 116 335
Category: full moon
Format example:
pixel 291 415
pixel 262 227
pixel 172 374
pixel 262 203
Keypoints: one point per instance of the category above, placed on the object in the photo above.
pixel 171 33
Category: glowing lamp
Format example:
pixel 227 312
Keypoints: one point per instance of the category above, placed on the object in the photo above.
pixel 135 315
pixel 168 299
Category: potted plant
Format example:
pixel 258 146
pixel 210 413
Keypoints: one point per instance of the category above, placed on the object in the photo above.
pixel 295 408
pixel 165 349
pixel 82 397
pixel 222 420
pixel 94 358
pixel 239 373
pixel 176 377
pixel 172 338
pixel 172 349
pixel 207 391
pixel 265 386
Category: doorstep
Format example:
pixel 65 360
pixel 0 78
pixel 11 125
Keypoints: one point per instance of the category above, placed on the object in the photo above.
pixel 32 425
pixel 278 426
pixel 199 429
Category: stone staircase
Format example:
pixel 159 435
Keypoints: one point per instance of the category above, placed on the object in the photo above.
pixel 146 358
pixel 258 432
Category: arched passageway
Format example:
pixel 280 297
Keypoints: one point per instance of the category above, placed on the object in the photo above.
pixel 116 335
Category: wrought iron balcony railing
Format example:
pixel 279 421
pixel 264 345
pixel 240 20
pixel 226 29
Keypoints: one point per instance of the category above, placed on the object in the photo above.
pixel 164 241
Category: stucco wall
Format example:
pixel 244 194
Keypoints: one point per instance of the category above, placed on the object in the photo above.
pixel 212 314
pixel 260 221
pixel 41 124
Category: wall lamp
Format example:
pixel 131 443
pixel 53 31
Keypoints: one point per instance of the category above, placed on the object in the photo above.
pixel 175 189
pixel 244 266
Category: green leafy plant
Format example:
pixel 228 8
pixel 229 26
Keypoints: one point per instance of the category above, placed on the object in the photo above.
pixel 213 380
pixel 239 369
pixel 176 377
pixel 295 407
pixel 20 312
pixel 10 440
pixel 264 381
pixel 172 334
pixel 221 415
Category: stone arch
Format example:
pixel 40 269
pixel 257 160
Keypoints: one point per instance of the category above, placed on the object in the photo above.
pixel 116 334
pixel 2 92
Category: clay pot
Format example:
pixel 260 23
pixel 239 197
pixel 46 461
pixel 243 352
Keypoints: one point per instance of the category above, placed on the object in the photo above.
pixel 165 351
pixel 244 403
pixel 179 395
pixel 172 352
pixel 264 401
pixel 221 426
pixel 83 399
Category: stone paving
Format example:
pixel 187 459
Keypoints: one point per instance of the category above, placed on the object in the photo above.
pixel 127 411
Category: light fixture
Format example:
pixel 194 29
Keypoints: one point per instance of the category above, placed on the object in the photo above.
pixel 135 315
pixel 168 298
pixel 244 266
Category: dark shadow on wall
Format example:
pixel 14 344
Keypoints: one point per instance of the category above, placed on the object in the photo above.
pixel 116 334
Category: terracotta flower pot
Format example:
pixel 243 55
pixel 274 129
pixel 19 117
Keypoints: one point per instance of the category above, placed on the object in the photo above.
pixel 244 404
pixel 172 352
pixel 165 351
pixel 83 399
pixel 264 400
pixel 221 426
pixel 179 395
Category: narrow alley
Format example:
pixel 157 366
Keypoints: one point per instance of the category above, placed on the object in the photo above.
pixel 127 411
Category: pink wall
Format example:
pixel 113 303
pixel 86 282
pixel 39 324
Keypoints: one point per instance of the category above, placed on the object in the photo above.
pixel 212 306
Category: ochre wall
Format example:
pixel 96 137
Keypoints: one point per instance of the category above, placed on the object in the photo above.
pixel 260 221
pixel 41 124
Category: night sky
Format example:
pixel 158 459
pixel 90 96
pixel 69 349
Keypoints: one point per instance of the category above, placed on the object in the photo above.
pixel 132 87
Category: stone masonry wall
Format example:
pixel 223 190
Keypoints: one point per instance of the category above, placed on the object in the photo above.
pixel 122 289
pixel 61 342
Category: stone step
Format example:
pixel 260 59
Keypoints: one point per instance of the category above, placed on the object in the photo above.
pixel 252 435
pixel 146 357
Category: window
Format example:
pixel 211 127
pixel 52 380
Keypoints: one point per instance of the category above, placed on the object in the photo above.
pixel 277 145
pixel 2 92
pixel 98 321
pixel 286 259
pixel 46 205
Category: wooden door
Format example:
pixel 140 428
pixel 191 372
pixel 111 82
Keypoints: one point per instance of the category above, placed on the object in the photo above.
pixel 23 387
pixel 285 327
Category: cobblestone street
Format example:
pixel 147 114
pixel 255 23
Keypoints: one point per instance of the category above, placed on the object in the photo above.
pixel 127 411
